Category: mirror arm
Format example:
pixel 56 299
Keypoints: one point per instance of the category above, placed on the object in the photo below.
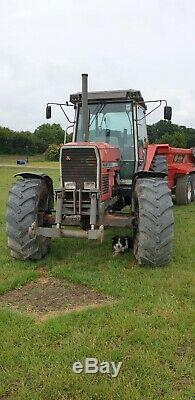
pixel 151 101
pixel 71 122
pixel 63 104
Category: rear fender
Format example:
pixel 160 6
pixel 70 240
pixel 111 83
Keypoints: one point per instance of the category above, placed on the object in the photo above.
pixel 152 150
pixel 46 178
pixel 149 174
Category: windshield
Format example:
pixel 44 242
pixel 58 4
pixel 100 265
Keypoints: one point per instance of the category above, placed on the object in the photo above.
pixel 110 123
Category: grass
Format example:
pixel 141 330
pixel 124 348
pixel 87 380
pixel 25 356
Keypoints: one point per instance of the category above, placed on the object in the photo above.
pixel 36 161
pixel 149 329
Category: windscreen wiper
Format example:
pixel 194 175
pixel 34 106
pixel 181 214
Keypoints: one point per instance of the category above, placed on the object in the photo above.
pixel 97 111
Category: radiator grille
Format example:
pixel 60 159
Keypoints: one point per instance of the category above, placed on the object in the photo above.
pixel 105 184
pixel 79 165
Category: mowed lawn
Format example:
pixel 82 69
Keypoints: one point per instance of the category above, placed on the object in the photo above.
pixel 148 328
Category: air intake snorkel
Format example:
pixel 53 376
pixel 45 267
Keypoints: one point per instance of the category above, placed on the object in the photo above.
pixel 85 115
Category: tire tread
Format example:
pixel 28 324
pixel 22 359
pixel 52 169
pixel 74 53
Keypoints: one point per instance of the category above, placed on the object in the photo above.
pixel 155 229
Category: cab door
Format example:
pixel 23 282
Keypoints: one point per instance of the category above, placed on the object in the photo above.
pixel 142 137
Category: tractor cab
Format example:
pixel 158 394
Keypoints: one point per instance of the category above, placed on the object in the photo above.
pixel 116 118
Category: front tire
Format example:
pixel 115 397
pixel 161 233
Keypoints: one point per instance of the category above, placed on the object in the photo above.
pixel 153 221
pixel 28 199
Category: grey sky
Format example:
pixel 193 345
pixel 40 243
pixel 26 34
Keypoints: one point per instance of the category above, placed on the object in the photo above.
pixel 46 44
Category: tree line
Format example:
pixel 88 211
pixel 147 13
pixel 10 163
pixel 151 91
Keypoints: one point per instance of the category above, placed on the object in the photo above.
pixel 173 134
pixel 26 142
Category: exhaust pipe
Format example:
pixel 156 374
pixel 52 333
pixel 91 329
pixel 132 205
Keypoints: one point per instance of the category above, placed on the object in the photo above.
pixel 85 115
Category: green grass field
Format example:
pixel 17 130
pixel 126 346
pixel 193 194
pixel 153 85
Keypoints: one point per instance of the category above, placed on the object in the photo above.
pixel 148 328
pixel 37 161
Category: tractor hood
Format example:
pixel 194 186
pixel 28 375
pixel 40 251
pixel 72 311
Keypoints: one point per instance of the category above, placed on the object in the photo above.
pixel 107 152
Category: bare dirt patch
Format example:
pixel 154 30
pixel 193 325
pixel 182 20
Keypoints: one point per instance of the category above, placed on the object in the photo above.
pixel 51 297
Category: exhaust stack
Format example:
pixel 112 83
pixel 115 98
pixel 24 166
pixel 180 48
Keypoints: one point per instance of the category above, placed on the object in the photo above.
pixel 85 126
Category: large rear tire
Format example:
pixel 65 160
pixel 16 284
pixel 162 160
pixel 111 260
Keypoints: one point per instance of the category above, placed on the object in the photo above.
pixel 184 190
pixel 193 186
pixel 27 201
pixel 153 221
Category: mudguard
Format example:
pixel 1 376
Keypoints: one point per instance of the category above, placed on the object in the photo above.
pixel 47 179
pixel 149 174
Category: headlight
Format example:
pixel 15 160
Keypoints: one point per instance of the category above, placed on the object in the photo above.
pixel 70 185
pixel 89 185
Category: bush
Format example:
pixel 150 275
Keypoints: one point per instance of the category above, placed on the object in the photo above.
pixel 53 152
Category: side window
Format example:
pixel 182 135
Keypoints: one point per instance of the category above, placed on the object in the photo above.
pixel 141 126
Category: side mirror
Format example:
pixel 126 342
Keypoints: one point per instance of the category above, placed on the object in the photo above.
pixel 167 113
pixel 48 112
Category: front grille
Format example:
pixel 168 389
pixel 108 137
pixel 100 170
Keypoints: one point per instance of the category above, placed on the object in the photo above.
pixel 79 165
pixel 105 184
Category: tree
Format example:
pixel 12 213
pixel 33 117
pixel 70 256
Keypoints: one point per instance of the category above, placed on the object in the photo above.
pixel 177 139
pixel 49 134
pixel 24 143
pixel 162 128
pixel 190 137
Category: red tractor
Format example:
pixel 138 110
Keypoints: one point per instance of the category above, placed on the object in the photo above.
pixel 108 166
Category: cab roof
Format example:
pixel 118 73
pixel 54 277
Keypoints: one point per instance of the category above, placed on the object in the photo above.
pixel 113 95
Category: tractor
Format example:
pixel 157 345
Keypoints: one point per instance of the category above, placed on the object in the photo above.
pixel 109 177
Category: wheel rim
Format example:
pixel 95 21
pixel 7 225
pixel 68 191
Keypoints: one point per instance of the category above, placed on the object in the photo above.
pixel 43 241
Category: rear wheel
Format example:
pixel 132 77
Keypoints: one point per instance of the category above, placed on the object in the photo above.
pixel 153 221
pixel 184 190
pixel 193 186
pixel 27 203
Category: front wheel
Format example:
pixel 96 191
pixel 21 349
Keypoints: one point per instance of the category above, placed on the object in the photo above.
pixel 153 221
pixel 27 203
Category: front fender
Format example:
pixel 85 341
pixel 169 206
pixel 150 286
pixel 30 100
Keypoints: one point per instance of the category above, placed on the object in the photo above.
pixel 45 177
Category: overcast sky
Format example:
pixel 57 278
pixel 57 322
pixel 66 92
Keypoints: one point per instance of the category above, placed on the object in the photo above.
pixel 45 45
